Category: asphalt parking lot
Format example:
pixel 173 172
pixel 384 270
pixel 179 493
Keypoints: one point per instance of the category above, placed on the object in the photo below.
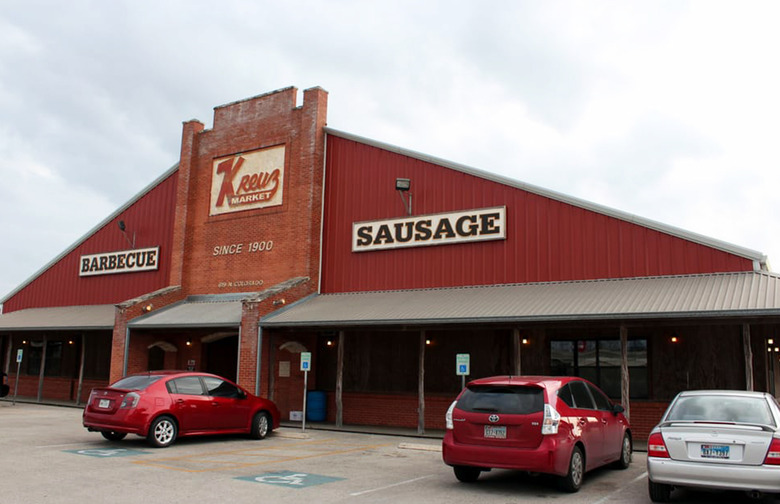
pixel 47 456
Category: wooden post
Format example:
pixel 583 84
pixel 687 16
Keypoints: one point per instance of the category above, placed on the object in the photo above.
pixel 517 351
pixel 625 392
pixel 421 386
pixel 81 368
pixel 340 381
pixel 748 356
pixel 42 368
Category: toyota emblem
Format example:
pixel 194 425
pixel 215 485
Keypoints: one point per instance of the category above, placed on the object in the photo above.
pixel 493 418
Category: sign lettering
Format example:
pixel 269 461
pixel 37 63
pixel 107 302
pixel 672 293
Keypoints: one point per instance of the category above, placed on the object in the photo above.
pixel 247 181
pixel 124 261
pixel 436 229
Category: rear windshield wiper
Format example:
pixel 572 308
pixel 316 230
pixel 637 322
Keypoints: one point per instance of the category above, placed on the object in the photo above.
pixel 485 410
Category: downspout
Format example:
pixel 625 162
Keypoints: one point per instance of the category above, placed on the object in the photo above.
pixel 127 346
pixel 259 359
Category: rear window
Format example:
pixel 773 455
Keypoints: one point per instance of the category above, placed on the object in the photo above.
pixel 135 382
pixel 507 400
pixel 720 408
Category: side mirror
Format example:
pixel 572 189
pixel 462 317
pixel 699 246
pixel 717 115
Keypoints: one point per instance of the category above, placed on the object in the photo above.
pixel 617 409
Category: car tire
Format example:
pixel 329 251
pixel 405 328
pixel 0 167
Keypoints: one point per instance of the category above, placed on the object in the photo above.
pixel 625 453
pixel 466 474
pixel 659 492
pixel 162 432
pixel 573 480
pixel 113 435
pixel 261 425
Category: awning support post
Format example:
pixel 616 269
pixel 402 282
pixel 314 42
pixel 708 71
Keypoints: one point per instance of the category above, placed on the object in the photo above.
pixel 421 387
pixel 340 381
pixel 81 368
pixel 748 356
pixel 625 392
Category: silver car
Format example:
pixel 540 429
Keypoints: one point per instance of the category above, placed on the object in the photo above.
pixel 716 439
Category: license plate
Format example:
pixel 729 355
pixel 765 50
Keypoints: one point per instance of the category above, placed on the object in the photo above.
pixel 495 431
pixel 104 403
pixel 714 451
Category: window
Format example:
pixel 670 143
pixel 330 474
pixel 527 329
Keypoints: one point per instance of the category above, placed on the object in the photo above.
pixel 599 361
pixel 187 385
pixel 581 396
pixel 136 382
pixel 220 388
pixel 498 399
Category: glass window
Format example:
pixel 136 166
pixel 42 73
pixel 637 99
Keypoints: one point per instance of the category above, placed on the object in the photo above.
pixel 499 399
pixel 599 361
pixel 187 385
pixel 135 382
pixel 602 402
pixel 564 394
pixel 220 388
pixel 582 399
pixel 720 408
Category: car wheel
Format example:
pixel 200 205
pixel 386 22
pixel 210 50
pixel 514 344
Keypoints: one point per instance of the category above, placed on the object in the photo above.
pixel 659 492
pixel 113 436
pixel 162 432
pixel 261 425
pixel 466 474
pixel 625 453
pixel 573 480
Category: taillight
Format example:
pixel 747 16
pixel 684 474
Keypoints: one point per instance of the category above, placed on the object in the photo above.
pixel 448 416
pixel 130 400
pixel 773 455
pixel 656 446
pixel 551 420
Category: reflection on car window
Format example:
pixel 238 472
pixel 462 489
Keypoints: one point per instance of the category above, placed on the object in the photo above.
pixel 136 382
pixel 187 385
pixel 564 394
pixel 498 399
pixel 220 388
pixel 602 402
pixel 581 396
pixel 718 408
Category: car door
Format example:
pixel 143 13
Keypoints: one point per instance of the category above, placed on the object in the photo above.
pixel 588 425
pixel 229 408
pixel 611 425
pixel 190 403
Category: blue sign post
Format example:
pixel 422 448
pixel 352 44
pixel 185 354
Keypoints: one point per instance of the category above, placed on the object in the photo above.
pixel 305 367
pixel 463 367
pixel 19 354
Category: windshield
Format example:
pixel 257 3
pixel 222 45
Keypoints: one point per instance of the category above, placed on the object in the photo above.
pixel 502 399
pixel 721 408
pixel 136 382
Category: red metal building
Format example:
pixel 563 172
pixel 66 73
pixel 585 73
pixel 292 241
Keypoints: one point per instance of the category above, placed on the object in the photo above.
pixel 275 235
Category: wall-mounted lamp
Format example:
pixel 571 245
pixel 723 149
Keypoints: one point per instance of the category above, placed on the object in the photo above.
pixel 188 342
pixel 279 302
pixel 526 341
pixel 428 341
pixel 70 342
pixel 24 342
pixel 147 308
pixel 122 228
pixel 329 343
pixel 770 341
pixel 402 185
pixel 674 339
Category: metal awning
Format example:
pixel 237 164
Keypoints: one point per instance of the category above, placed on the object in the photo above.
pixel 195 311
pixel 64 318
pixel 742 294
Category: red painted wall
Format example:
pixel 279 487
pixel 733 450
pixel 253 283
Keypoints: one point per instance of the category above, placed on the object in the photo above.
pixel 150 219
pixel 547 240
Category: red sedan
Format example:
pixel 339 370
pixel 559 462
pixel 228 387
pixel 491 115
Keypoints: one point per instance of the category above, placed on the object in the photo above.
pixel 563 426
pixel 164 405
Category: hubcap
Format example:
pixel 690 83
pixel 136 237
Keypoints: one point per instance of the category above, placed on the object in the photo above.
pixel 626 450
pixel 164 432
pixel 262 425
pixel 576 468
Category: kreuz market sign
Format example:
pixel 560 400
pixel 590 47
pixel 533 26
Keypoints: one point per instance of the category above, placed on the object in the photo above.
pixel 435 229
pixel 247 181
pixel 125 261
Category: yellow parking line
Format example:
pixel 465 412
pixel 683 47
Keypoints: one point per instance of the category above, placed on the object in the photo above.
pixel 265 462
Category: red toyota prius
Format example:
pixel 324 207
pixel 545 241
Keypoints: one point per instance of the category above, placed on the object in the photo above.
pixel 165 405
pixel 564 426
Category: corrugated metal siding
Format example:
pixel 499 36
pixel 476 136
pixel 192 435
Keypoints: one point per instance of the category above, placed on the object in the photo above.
pixel 547 240
pixel 150 218
pixel 748 294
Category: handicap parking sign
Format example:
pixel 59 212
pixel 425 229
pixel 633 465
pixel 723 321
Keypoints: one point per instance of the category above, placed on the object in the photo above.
pixel 290 479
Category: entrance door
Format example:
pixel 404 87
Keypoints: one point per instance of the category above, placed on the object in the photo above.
pixel 221 357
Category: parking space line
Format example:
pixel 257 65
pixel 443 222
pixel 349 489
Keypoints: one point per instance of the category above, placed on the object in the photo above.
pixel 239 465
pixel 607 497
pixel 355 494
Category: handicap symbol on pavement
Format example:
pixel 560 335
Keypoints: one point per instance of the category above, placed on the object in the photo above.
pixel 290 479
pixel 106 453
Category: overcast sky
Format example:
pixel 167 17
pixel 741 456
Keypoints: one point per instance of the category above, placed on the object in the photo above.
pixel 666 110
